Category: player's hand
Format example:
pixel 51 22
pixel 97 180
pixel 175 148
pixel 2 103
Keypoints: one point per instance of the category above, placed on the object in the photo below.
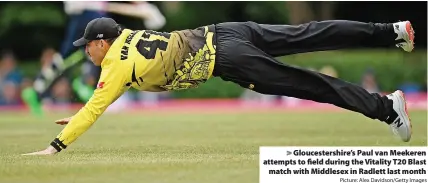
pixel 48 151
pixel 63 121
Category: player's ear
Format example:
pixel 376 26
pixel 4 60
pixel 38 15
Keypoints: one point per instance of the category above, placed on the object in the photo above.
pixel 103 43
pixel 106 43
pixel 99 43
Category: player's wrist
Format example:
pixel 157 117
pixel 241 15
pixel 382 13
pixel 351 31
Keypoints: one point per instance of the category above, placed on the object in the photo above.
pixel 58 145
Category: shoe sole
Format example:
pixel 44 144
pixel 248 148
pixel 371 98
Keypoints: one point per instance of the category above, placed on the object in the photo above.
pixel 406 113
pixel 410 35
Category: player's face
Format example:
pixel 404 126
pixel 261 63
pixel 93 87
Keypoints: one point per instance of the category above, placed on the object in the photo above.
pixel 97 50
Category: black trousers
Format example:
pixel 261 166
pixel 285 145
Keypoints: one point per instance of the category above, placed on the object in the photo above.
pixel 246 54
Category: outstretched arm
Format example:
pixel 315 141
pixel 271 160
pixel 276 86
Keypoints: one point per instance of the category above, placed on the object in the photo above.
pixel 110 87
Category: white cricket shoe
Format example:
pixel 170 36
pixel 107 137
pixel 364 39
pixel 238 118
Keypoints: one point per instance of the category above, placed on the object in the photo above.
pixel 402 125
pixel 406 35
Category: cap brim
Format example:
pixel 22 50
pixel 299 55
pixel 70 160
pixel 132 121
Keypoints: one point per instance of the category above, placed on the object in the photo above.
pixel 80 42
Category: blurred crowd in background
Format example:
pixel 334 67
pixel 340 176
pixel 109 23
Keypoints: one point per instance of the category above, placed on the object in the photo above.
pixel 17 72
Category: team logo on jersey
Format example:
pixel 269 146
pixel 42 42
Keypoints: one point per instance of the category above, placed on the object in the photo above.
pixel 100 85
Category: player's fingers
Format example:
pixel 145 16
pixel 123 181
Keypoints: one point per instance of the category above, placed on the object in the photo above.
pixel 33 153
pixel 61 122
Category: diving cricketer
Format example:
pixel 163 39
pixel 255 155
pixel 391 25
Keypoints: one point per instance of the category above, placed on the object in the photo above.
pixel 240 52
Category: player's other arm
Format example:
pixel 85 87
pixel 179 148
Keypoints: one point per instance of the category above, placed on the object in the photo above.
pixel 111 86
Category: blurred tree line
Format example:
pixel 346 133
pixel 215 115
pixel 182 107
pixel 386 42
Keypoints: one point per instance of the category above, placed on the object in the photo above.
pixel 28 27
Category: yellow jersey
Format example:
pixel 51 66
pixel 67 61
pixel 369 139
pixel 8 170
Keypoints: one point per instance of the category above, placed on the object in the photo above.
pixel 149 61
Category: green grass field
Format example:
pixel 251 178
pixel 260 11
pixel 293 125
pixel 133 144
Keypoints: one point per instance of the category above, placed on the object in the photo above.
pixel 174 148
